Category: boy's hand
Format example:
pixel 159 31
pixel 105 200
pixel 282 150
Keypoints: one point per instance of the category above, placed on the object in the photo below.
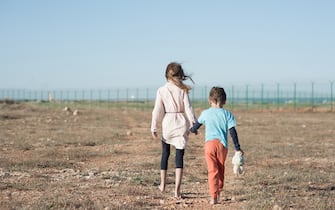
pixel 240 151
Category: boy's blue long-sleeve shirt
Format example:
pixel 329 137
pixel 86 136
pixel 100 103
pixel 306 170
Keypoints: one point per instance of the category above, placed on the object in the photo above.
pixel 218 122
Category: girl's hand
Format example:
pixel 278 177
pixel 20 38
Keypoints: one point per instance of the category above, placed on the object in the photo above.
pixel 154 135
pixel 196 132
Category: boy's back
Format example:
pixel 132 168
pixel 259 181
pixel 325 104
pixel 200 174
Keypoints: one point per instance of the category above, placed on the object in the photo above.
pixel 217 121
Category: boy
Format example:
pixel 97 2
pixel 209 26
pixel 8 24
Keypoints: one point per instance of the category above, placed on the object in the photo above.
pixel 218 122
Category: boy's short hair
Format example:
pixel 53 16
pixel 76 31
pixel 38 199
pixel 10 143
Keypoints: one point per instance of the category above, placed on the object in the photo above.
pixel 218 95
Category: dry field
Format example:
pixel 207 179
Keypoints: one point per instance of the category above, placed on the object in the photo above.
pixel 104 158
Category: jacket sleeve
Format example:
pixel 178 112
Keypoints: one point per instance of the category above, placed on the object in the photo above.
pixel 158 112
pixel 234 136
pixel 188 109
pixel 195 127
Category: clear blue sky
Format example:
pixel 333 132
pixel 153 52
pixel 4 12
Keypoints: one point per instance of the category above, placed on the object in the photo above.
pixel 51 44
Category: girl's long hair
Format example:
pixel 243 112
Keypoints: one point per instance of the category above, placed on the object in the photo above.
pixel 175 73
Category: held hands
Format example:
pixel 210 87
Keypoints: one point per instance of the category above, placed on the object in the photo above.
pixel 195 127
pixel 195 132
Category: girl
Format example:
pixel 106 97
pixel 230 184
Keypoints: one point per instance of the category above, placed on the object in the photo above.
pixel 173 109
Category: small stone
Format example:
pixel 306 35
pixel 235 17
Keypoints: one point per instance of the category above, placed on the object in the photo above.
pixel 67 109
pixel 75 112
pixel 276 207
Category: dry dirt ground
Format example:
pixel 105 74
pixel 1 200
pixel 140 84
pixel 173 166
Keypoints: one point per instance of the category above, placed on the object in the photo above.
pixel 104 158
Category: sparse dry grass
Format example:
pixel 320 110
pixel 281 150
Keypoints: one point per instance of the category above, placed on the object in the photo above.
pixel 104 158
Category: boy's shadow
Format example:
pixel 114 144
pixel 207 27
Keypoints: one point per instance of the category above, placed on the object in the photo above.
pixel 193 195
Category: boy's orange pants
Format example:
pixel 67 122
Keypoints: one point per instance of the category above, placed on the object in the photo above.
pixel 215 154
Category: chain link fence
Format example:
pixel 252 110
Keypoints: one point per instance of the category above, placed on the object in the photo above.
pixel 260 97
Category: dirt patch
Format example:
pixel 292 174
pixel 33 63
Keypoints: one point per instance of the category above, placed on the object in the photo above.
pixel 104 158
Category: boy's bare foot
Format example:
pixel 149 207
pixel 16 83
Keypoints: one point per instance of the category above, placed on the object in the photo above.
pixel 213 201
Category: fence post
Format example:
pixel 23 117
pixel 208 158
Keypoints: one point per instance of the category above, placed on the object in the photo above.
pixel 295 96
pixel 232 97
pixel 205 97
pixel 60 96
pixel 117 97
pixel 53 95
pixel 312 96
pixel 108 101
pixel 246 97
pixel 262 97
pixel 75 95
pixel 331 96
pixel 18 95
pixel 83 96
pixel 137 99
pixel 13 94
pixel 42 95
pixel 68 95
pixel 147 98
pixel 91 98
pixel 35 95
pixel 278 96
pixel 127 99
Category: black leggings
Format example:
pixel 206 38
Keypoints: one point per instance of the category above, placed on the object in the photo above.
pixel 179 159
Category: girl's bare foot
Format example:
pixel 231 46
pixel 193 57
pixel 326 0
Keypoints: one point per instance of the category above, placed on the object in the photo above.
pixel 177 195
pixel 161 188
